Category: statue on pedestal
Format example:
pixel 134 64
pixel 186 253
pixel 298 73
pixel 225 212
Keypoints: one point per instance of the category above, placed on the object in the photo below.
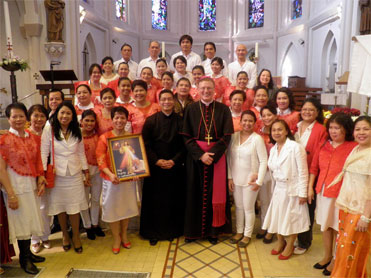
pixel 365 26
pixel 55 19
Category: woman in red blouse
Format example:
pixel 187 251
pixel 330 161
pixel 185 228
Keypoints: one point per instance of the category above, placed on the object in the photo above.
pixel 221 82
pixel 152 85
pixel 241 84
pixel 284 101
pixel 327 163
pixel 90 216
pixel 167 82
pixel 237 98
pixel 123 71
pixel 108 98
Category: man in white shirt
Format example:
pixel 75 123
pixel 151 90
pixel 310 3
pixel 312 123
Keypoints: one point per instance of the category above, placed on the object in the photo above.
pixel 210 51
pixel 126 51
pixel 153 50
pixel 242 64
pixel 193 59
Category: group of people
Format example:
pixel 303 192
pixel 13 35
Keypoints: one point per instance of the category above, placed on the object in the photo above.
pixel 208 132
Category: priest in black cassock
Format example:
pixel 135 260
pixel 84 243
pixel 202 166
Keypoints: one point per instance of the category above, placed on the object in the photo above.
pixel 162 215
pixel 207 130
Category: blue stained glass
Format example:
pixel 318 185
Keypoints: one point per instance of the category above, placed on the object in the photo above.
pixel 297 9
pixel 159 14
pixel 121 12
pixel 207 15
pixel 256 13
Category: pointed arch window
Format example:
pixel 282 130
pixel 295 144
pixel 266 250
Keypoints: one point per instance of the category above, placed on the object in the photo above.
pixel 256 13
pixel 121 10
pixel 207 15
pixel 159 14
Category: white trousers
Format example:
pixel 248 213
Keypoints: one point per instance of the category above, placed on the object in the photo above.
pixel 45 217
pixel 265 196
pixel 91 216
pixel 244 199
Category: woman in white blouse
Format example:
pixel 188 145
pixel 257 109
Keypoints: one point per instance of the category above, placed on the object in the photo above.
pixel 288 211
pixel 67 197
pixel 247 165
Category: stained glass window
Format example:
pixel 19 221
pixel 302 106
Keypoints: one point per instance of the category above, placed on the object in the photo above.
pixel 297 9
pixel 256 13
pixel 159 14
pixel 121 10
pixel 207 15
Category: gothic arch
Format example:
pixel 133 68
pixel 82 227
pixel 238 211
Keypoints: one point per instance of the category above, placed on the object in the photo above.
pixel 329 62
pixel 89 55
pixel 289 62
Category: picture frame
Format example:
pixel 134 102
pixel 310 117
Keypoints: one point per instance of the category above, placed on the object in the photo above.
pixel 128 157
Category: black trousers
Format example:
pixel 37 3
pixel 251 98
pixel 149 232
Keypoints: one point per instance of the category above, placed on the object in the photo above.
pixel 305 239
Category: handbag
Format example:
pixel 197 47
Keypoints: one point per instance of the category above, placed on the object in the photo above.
pixel 50 170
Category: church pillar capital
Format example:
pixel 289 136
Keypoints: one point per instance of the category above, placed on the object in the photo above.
pixel 55 49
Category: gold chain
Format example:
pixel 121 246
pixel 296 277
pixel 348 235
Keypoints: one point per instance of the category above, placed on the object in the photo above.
pixel 208 129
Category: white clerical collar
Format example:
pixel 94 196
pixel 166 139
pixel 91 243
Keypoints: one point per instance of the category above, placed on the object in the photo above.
pixel 86 107
pixel 167 114
pixel 15 132
pixel 206 103
pixel 284 112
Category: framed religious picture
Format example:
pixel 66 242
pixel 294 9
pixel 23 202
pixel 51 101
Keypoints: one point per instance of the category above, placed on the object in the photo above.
pixel 128 157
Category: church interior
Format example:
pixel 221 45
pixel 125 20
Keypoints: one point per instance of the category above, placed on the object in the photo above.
pixel 308 40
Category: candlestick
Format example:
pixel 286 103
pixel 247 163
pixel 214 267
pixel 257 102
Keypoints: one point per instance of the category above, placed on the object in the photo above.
pixel 8 31
pixel 163 50
pixel 256 50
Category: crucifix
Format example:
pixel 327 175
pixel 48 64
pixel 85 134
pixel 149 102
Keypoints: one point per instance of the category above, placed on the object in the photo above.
pixel 208 138
pixel 10 49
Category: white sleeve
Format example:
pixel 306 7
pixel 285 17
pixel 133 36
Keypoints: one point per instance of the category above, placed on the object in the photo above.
pixel 81 154
pixel 301 162
pixel 45 145
pixel 252 76
pixel 263 159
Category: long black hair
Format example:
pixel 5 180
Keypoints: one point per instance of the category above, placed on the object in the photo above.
pixel 74 126
pixel 343 120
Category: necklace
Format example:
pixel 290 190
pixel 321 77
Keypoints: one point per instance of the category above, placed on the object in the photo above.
pixel 208 129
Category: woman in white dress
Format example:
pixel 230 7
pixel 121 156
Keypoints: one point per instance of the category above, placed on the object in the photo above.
pixel 247 165
pixel 119 199
pixel 67 197
pixel 288 211
pixel 22 179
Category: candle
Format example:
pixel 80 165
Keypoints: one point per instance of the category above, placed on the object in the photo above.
pixel 256 50
pixel 163 50
pixel 8 31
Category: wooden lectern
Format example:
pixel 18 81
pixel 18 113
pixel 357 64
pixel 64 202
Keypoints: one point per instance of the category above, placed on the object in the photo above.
pixel 57 75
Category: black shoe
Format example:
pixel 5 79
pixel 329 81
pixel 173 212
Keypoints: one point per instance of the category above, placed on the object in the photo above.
pixel 28 266
pixel 78 250
pixel 260 236
pixel 213 240
pixel 320 266
pixel 66 247
pixel 153 241
pixel 268 241
pixel 98 231
pixel 90 233
pixel 326 272
pixel 189 240
pixel 36 259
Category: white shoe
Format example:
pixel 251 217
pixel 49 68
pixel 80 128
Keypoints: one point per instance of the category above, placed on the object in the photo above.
pixel 36 247
pixel 47 244
pixel 299 251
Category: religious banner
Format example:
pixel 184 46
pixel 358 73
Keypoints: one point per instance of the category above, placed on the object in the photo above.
pixel 128 157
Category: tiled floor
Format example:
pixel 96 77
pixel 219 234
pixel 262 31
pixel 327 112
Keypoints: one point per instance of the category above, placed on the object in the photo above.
pixel 199 258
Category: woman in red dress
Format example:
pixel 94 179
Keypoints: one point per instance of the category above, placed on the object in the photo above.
pixel 197 73
pixel 241 84
pixel 260 100
pixel 161 67
pixel 123 71
pixel 221 82
pixel 83 94
pixel 95 73
pixel 237 98
pixel 152 86
pixel 108 97
pixel 167 82
pixel 285 103
pixel 327 163
pixel 145 107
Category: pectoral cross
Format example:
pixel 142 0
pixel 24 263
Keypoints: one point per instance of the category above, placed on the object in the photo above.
pixel 208 138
